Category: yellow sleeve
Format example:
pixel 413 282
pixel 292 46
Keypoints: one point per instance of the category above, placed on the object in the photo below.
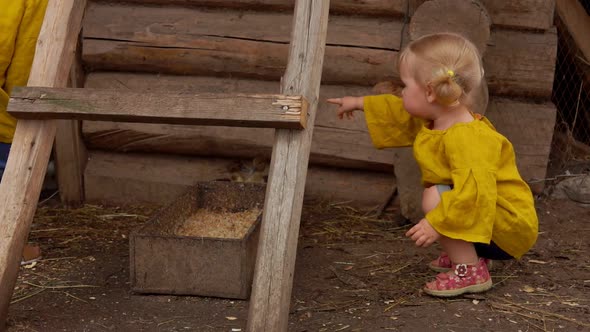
pixel 468 211
pixel 389 124
pixel 20 23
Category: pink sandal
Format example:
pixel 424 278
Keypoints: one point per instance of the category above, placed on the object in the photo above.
pixel 464 279
pixel 443 263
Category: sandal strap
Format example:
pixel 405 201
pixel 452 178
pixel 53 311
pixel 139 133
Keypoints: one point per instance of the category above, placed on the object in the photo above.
pixel 465 275
pixel 443 260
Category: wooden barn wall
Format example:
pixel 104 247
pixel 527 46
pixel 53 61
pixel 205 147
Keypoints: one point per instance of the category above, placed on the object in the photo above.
pixel 158 178
pixel 336 142
pixel 521 14
pixel 196 41
pixel 223 46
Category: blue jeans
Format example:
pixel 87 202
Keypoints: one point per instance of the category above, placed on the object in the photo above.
pixel 4 149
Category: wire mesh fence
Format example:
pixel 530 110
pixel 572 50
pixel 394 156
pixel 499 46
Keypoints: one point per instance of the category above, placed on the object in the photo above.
pixel 570 151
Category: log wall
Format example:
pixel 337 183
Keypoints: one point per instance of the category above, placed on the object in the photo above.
pixel 337 143
pixel 360 51
pixel 241 46
pixel 521 14
pixel 155 178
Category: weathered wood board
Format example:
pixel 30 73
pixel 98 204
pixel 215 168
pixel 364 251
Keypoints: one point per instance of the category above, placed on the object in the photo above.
pixel 212 109
pixel 355 7
pixel 360 51
pixel 128 22
pixel 467 18
pixel 33 141
pixel 158 245
pixel 69 150
pixel 520 14
pixel 516 57
pixel 154 178
pixel 343 143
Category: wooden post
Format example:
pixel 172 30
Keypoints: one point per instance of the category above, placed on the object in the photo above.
pixel 33 140
pixel 275 264
pixel 70 152
pixel 70 161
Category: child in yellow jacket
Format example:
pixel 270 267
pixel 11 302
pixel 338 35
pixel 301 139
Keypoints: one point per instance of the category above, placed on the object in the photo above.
pixel 476 204
pixel 20 24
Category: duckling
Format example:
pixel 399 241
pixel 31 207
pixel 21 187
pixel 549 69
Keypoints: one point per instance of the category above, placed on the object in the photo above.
pixel 255 170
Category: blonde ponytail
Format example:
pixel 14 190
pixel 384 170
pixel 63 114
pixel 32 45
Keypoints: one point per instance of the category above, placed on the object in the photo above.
pixel 448 63
pixel 446 86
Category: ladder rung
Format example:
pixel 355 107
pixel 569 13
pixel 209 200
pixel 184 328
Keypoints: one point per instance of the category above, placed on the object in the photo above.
pixel 239 110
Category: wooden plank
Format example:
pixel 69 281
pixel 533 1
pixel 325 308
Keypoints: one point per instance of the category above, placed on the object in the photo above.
pixel 577 22
pixel 468 18
pixel 532 144
pixel 517 63
pixel 131 178
pixel 357 7
pixel 70 160
pixel 33 140
pixel 69 150
pixel 340 143
pixel 256 110
pixel 522 14
pixel 336 147
pixel 277 247
pixel 227 57
pixel 532 141
pixel 138 23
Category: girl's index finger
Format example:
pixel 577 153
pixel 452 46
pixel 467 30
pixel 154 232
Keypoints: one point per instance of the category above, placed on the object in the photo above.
pixel 337 101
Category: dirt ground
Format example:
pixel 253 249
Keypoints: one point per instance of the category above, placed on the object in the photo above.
pixel 353 273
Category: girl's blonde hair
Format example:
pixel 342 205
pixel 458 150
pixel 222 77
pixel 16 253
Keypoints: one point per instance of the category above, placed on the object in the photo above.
pixel 448 63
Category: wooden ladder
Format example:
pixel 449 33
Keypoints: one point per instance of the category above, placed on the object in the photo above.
pixel 292 113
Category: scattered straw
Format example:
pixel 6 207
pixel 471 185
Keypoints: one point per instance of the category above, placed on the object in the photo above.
pixel 513 307
pixel 74 297
pixel 58 287
pixel 395 304
pixel 172 320
pixel 332 306
pixel 27 296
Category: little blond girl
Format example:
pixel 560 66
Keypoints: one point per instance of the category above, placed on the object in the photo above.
pixel 476 204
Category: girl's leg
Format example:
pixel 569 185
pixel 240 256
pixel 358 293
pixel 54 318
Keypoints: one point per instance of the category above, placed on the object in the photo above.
pixel 467 273
pixel 430 199
pixel 459 251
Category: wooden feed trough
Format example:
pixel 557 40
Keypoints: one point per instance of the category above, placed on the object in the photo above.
pixel 204 243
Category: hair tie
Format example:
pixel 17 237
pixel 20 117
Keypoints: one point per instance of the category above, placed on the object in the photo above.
pixel 450 73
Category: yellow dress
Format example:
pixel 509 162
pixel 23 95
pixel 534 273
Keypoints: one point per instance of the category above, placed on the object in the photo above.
pixel 489 200
pixel 20 23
